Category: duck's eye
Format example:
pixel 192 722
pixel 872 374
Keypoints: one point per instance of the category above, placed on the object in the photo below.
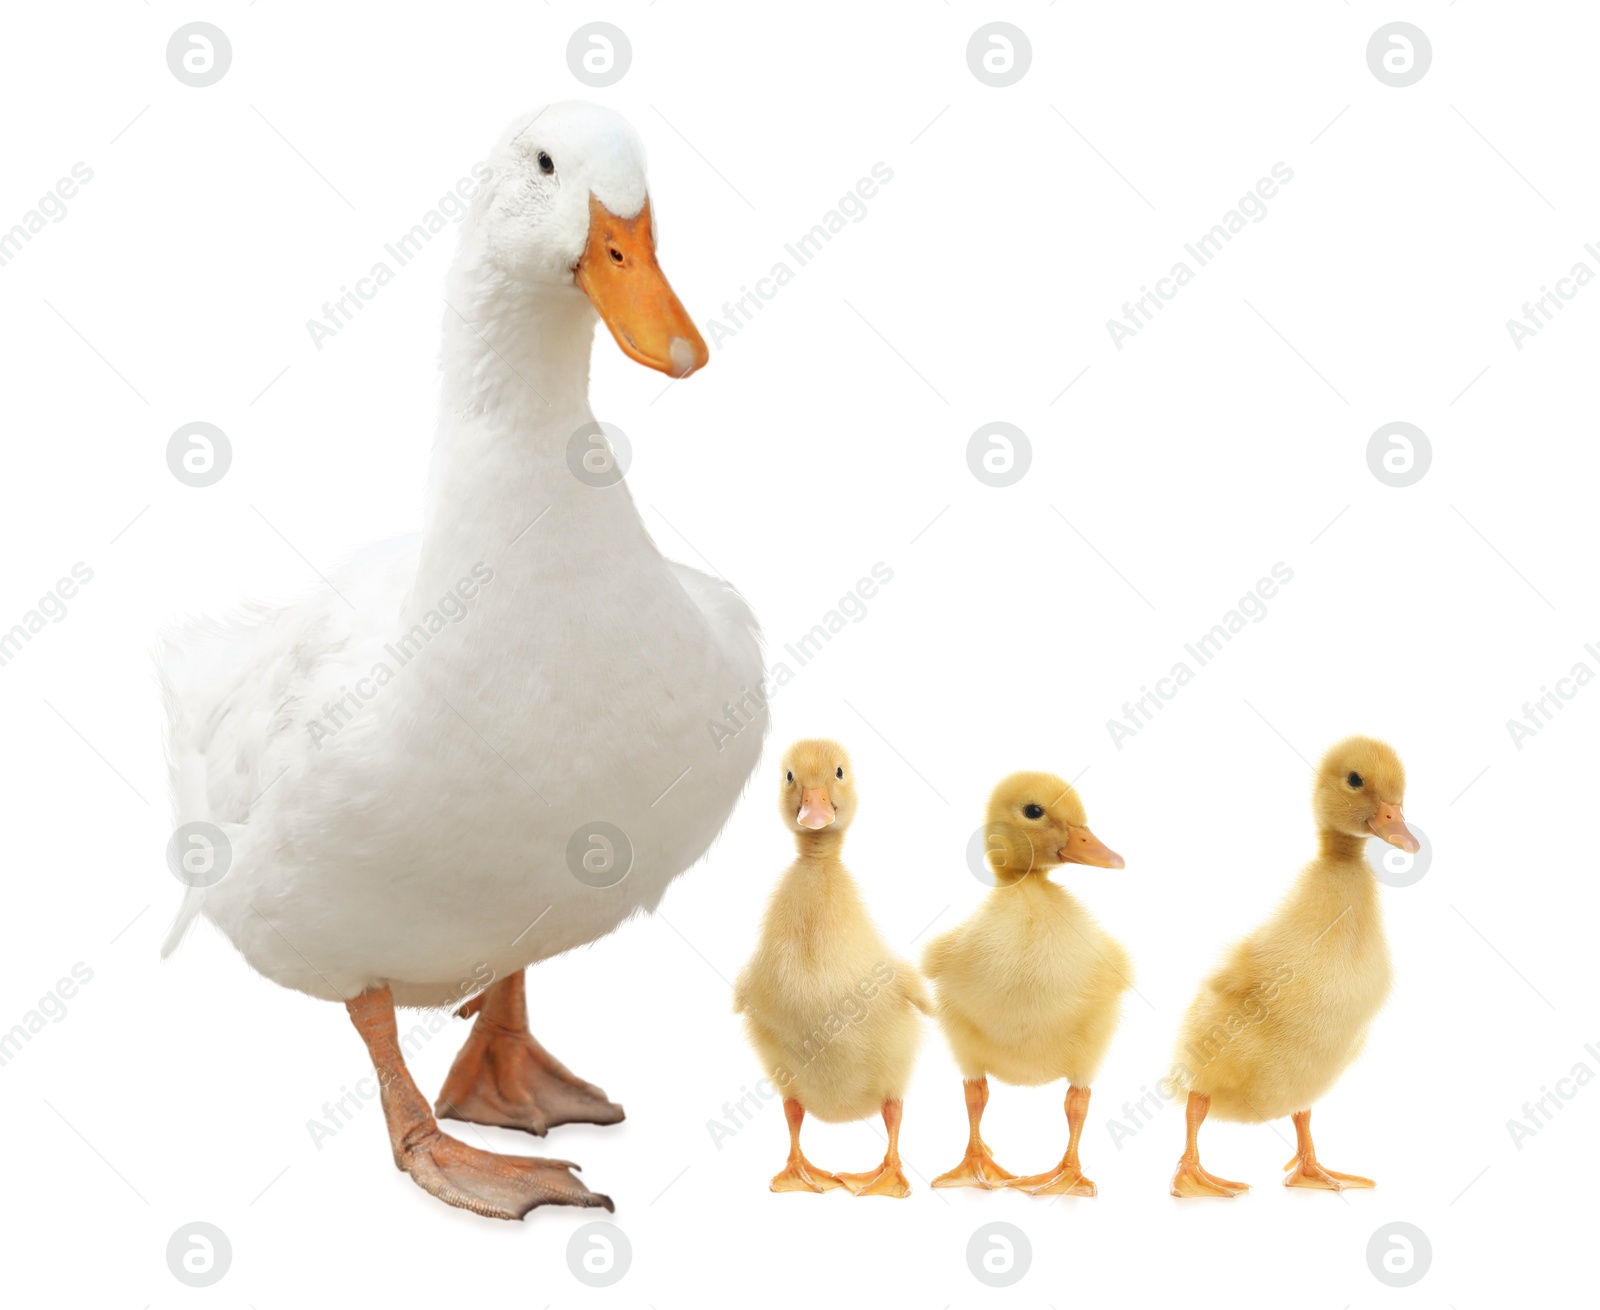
pixel 789 777
pixel 1354 779
pixel 1033 811
pixel 546 164
pixel 838 773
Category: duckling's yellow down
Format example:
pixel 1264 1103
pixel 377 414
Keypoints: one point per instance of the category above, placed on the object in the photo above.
pixel 829 1008
pixel 1029 988
pixel 1288 1010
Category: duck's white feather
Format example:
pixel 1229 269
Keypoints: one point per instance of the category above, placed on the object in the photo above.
pixel 401 759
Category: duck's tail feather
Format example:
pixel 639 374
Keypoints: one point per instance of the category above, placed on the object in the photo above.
pixel 188 912
pixel 188 770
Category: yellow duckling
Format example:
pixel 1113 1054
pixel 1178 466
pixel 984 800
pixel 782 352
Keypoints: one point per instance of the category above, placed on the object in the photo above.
pixel 1029 988
pixel 1276 1025
pixel 831 1011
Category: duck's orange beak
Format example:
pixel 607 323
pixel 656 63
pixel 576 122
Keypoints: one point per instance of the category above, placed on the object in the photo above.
pixel 1083 847
pixel 619 274
pixel 1390 824
pixel 816 810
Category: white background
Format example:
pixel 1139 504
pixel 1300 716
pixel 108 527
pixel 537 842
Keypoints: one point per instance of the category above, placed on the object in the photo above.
pixel 823 438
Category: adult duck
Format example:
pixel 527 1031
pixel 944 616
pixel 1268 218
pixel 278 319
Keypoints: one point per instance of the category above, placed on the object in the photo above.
pixel 489 744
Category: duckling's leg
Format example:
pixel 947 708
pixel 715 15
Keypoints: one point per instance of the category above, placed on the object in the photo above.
pixel 497 1186
pixel 1066 1179
pixel 799 1174
pixel 502 1076
pixel 888 1179
pixel 1306 1172
pixel 977 1167
pixel 1190 1179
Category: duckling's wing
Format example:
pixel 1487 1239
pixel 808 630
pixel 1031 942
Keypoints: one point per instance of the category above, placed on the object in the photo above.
pixel 1244 971
pixel 913 987
pixel 936 954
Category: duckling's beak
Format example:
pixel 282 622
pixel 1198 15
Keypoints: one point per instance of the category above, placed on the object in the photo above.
pixel 1083 847
pixel 619 274
pixel 1390 824
pixel 816 810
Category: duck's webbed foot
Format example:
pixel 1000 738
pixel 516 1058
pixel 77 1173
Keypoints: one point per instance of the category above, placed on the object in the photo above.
pixel 977 1169
pixel 495 1186
pixel 1308 1173
pixel 1304 1171
pixel 888 1179
pixel 504 1077
pixel 1191 1180
pixel 800 1175
pixel 1066 1179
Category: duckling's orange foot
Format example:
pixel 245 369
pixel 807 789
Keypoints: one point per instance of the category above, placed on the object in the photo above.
pixel 800 1175
pixel 1306 1172
pixel 1191 1180
pixel 1064 1180
pixel 886 1180
pixel 977 1169
pixel 495 1186
pixel 506 1078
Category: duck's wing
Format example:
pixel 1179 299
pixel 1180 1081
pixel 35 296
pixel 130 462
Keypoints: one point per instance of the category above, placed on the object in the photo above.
pixel 240 691
pixel 734 626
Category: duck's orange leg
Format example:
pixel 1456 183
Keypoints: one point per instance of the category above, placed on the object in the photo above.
pixel 888 1179
pixel 502 1076
pixel 497 1186
pixel 799 1174
pixel 1304 1169
pixel 977 1167
pixel 1190 1179
pixel 1066 1179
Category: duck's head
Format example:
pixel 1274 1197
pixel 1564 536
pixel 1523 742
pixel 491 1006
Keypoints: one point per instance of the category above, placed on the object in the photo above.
pixel 817 787
pixel 568 208
pixel 1036 823
pixel 1359 791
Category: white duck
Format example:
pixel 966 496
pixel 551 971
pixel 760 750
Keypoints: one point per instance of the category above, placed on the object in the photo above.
pixel 409 765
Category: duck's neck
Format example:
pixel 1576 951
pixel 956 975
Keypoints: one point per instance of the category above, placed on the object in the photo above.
pixel 1340 847
pixel 820 848
pixel 515 389
pixel 511 346
pixel 1035 883
pixel 1342 889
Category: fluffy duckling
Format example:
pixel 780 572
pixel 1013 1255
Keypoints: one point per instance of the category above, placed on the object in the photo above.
pixel 1275 1026
pixel 1029 988
pixel 831 1011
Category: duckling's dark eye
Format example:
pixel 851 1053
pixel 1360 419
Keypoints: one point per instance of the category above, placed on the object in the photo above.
pixel 789 777
pixel 838 773
pixel 546 164
pixel 1033 811
pixel 1354 779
